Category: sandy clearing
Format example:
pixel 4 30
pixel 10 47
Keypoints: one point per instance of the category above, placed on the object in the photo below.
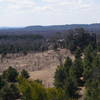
pixel 46 75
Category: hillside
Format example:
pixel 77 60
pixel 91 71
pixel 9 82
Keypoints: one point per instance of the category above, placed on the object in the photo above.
pixel 49 30
pixel 40 65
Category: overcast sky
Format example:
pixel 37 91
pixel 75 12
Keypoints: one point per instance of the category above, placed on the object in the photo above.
pixel 48 12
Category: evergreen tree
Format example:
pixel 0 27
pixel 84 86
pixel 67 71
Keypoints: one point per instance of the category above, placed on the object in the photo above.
pixel 2 82
pixel 25 74
pixel 31 90
pixel 79 38
pixel 9 92
pixel 60 77
pixel 55 94
pixel 88 59
pixel 65 78
pixel 93 83
pixel 10 74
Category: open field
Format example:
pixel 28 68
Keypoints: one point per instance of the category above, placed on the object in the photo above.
pixel 40 65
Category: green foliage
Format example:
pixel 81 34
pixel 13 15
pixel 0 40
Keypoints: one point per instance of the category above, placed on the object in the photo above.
pixel 93 90
pixel 65 78
pixel 89 55
pixel 8 88
pixel 59 77
pixel 38 81
pixel 10 74
pixel 98 48
pixel 79 38
pixel 78 53
pixel 2 82
pixel 22 43
pixel 70 90
pixel 31 90
pixel 55 94
pixel 78 67
pixel 62 73
pixel 86 65
pixel 9 92
pixel 93 86
pixel 25 74
pixel 71 83
pixel 92 60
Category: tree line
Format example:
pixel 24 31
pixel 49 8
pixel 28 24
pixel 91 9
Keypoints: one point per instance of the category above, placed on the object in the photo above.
pixel 20 43
pixel 72 39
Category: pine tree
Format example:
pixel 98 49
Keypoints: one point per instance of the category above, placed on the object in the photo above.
pixel 25 74
pixel 10 74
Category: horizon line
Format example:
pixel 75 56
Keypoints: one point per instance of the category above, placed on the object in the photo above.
pixel 46 25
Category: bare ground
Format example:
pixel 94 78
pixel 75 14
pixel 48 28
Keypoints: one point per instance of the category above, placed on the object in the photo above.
pixel 40 65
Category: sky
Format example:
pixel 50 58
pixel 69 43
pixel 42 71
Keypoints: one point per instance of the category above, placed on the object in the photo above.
pixel 18 13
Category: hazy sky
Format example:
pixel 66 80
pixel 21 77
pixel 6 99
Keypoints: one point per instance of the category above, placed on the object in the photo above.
pixel 48 12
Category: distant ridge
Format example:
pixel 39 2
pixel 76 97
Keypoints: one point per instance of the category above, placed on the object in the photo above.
pixel 49 30
pixel 64 27
pixel 59 27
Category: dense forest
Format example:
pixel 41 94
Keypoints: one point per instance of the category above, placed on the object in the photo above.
pixel 20 43
pixel 83 71
pixel 15 43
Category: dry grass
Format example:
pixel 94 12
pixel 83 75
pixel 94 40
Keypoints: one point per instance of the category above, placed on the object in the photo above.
pixel 40 65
